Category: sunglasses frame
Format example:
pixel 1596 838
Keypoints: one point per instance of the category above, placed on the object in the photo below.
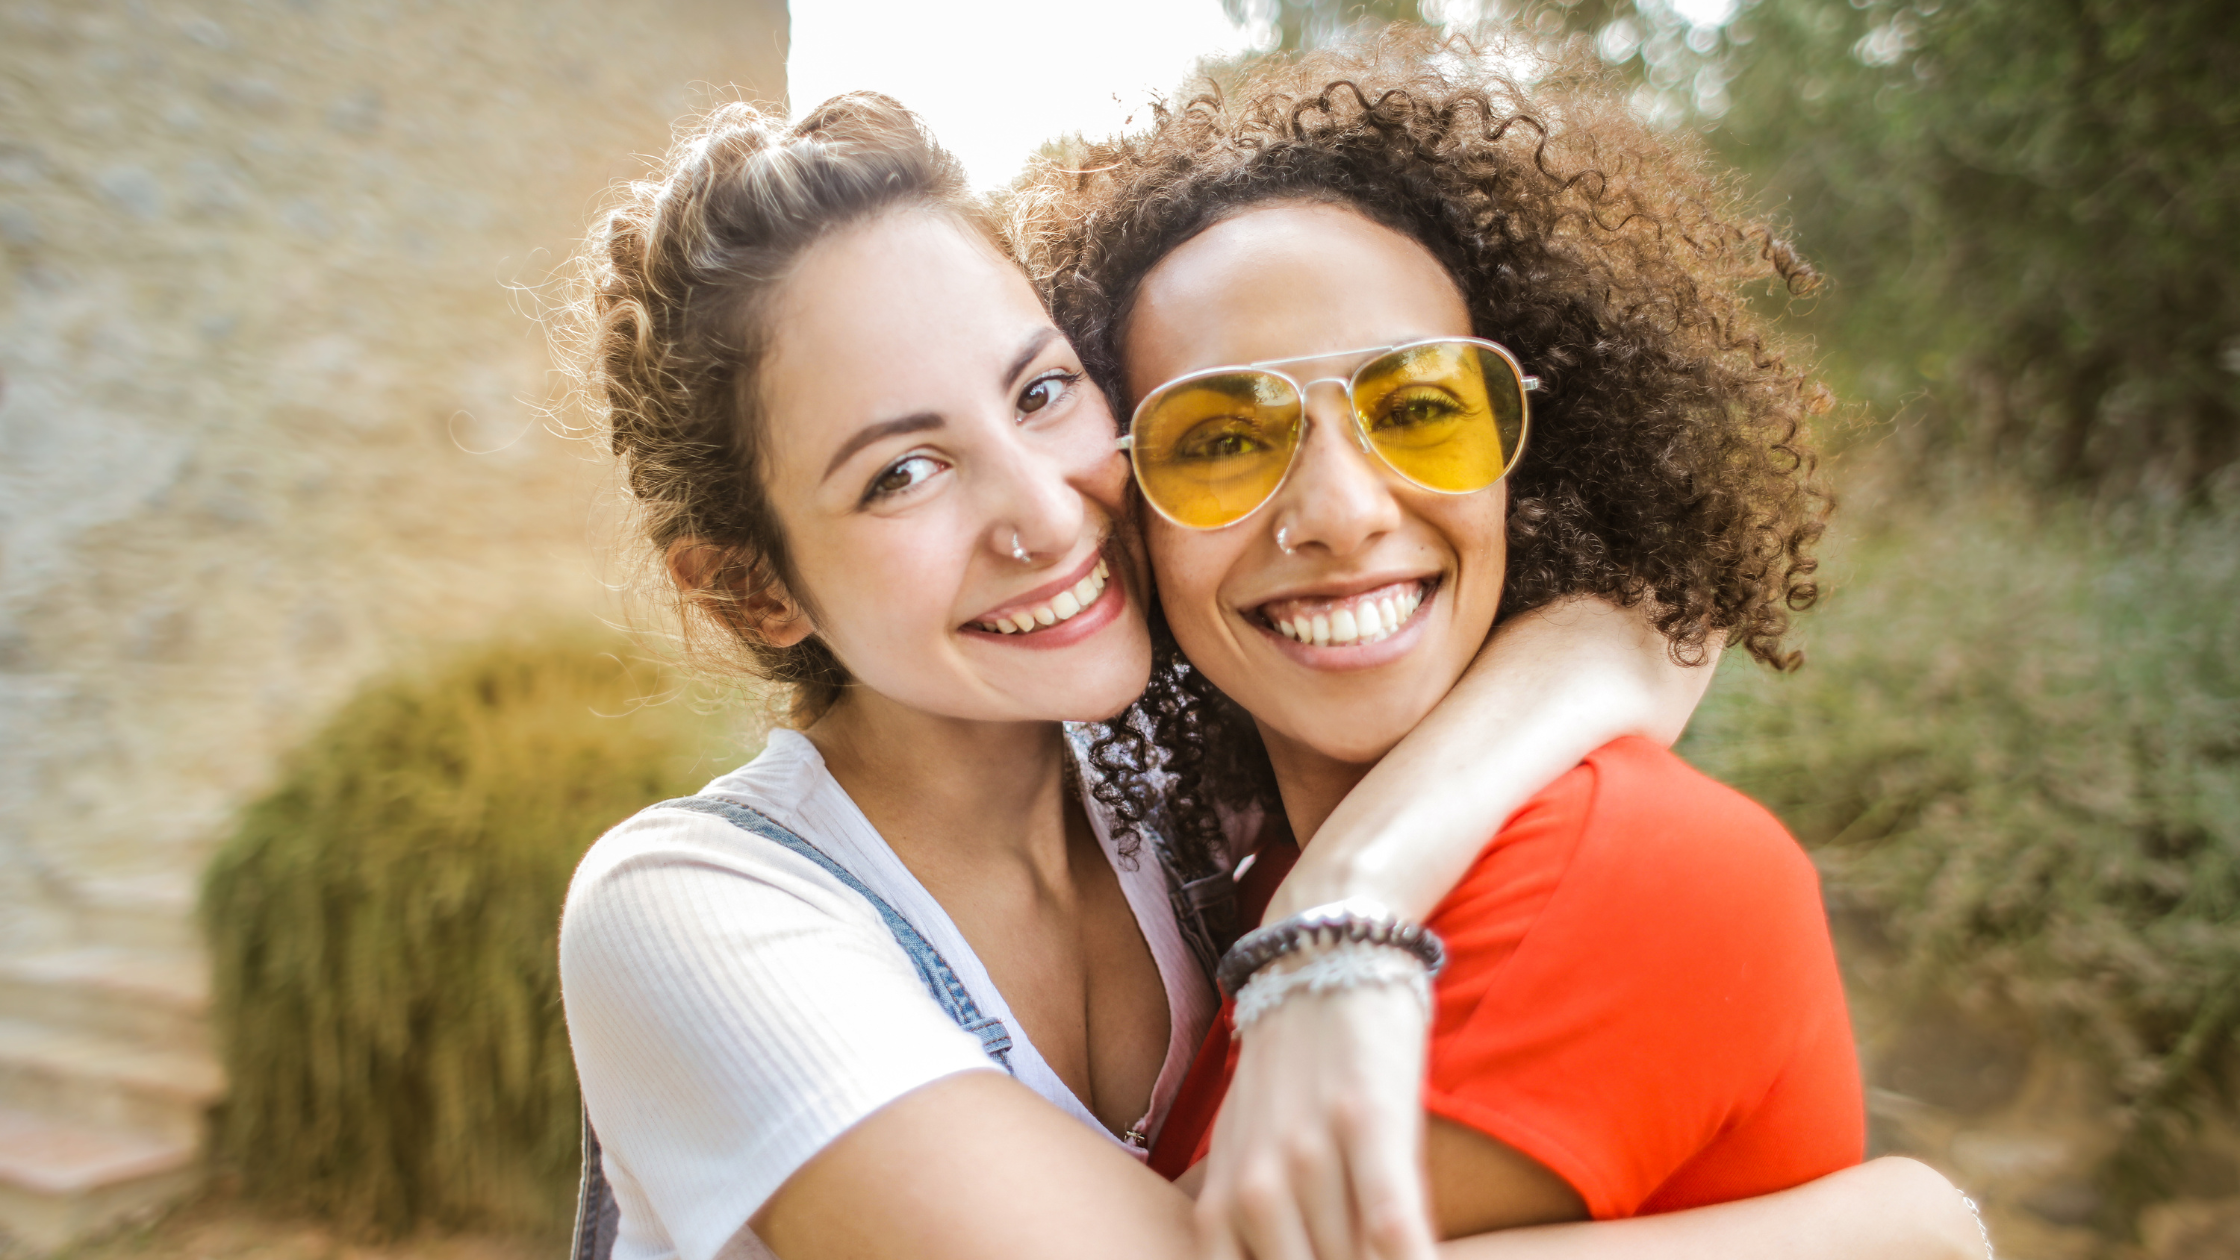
pixel 1526 385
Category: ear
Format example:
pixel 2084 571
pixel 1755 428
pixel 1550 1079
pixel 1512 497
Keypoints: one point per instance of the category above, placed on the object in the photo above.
pixel 740 590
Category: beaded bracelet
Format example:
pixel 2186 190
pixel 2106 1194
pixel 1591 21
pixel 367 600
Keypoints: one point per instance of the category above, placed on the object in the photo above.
pixel 1356 920
pixel 1345 966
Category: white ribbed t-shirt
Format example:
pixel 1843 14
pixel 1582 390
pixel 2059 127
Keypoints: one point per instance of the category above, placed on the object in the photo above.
pixel 733 1007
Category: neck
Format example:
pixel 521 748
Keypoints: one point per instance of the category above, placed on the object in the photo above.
pixel 1311 783
pixel 949 794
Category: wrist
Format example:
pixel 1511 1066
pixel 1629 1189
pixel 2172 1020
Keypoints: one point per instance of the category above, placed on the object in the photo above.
pixel 1376 869
pixel 1355 921
pixel 1322 969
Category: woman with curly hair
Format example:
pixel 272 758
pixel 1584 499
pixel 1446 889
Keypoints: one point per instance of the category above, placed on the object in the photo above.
pixel 1322 296
pixel 918 980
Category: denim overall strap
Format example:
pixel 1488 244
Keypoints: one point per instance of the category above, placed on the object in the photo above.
pixel 932 967
pixel 597 1217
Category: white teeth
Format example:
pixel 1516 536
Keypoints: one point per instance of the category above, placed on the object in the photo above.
pixel 1359 622
pixel 1067 604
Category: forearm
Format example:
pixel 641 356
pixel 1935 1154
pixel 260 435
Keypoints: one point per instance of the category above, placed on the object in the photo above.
pixel 1890 1209
pixel 1548 688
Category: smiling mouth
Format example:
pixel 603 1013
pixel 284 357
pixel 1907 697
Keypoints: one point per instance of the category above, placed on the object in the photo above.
pixel 1058 609
pixel 1348 621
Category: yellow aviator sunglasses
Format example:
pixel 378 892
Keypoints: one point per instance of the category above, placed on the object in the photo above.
pixel 1448 414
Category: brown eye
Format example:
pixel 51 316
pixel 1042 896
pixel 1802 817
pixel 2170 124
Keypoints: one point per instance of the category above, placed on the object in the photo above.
pixel 903 474
pixel 1044 391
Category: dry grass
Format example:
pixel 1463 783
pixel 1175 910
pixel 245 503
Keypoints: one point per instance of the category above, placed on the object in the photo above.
pixel 220 1226
pixel 383 929
pixel 2015 751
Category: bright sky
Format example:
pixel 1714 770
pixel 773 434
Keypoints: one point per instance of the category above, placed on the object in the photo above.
pixel 995 78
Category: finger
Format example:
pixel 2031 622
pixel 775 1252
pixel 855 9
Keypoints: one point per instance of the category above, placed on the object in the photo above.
pixel 1384 1168
pixel 1318 1177
pixel 1212 1222
pixel 1266 1215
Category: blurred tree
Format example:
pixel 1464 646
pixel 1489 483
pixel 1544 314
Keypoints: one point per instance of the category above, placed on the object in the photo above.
pixel 1317 23
pixel 2028 207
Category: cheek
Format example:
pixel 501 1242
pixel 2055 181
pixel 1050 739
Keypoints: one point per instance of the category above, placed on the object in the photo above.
pixel 877 584
pixel 1190 566
pixel 1478 531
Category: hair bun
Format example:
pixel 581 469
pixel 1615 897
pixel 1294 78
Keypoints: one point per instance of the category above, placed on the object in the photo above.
pixel 861 116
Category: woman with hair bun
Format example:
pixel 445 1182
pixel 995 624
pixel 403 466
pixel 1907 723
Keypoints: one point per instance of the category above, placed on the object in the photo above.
pixel 924 978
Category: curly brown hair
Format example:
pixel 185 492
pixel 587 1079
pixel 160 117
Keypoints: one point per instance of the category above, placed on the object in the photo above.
pixel 672 330
pixel 1669 463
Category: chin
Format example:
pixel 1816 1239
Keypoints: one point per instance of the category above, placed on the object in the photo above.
pixel 1088 695
pixel 1329 731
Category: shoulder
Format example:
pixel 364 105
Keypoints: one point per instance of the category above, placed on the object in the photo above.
pixel 659 868
pixel 664 871
pixel 732 1008
pixel 1639 869
pixel 1656 824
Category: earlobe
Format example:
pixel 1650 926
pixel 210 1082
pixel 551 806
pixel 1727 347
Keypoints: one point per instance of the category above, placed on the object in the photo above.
pixel 772 615
pixel 738 590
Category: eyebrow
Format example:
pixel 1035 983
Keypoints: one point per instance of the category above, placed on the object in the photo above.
pixel 921 421
pixel 1041 337
pixel 870 433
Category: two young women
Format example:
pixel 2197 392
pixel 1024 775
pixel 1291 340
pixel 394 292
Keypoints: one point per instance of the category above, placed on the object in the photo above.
pixel 870 458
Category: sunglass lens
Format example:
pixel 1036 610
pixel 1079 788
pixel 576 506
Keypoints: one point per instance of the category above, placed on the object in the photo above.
pixel 1211 449
pixel 1447 415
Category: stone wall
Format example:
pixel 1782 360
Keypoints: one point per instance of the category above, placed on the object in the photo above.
pixel 270 412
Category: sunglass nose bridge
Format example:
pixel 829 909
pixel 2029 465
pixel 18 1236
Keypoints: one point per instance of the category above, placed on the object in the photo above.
pixel 1344 386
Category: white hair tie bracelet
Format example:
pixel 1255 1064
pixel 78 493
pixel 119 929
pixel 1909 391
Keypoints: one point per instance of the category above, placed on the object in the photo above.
pixel 1346 965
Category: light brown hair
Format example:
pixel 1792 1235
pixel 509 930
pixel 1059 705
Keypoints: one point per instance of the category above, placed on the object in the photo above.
pixel 680 277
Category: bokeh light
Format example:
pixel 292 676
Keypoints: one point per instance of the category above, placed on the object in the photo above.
pixel 996 78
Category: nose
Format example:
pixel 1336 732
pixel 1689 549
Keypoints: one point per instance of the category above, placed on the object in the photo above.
pixel 1034 509
pixel 1337 496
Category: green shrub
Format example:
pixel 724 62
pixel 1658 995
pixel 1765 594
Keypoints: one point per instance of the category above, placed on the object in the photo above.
pixel 383 932
pixel 2027 209
pixel 2016 747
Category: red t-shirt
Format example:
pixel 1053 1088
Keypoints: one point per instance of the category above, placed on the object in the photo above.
pixel 1640 994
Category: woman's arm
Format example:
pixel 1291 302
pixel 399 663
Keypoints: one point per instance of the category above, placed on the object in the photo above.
pixel 1549 687
pixel 1887 1209
pixel 1324 1101
pixel 970 1166
pixel 976 1165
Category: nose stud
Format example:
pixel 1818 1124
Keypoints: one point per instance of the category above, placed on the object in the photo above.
pixel 1018 552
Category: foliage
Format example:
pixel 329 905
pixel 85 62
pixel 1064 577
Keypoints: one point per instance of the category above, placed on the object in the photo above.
pixel 384 929
pixel 1296 24
pixel 2016 744
pixel 2028 208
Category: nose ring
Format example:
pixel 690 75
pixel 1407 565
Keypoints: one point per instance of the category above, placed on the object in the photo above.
pixel 1283 541
pixel 1018 552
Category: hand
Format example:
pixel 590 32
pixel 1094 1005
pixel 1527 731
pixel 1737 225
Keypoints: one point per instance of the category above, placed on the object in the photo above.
pixel 1318 1150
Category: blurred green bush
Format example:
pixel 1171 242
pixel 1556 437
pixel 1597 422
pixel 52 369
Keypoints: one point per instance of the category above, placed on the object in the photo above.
pixel 383 928
pixel 2015 747
pixel 2027 209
